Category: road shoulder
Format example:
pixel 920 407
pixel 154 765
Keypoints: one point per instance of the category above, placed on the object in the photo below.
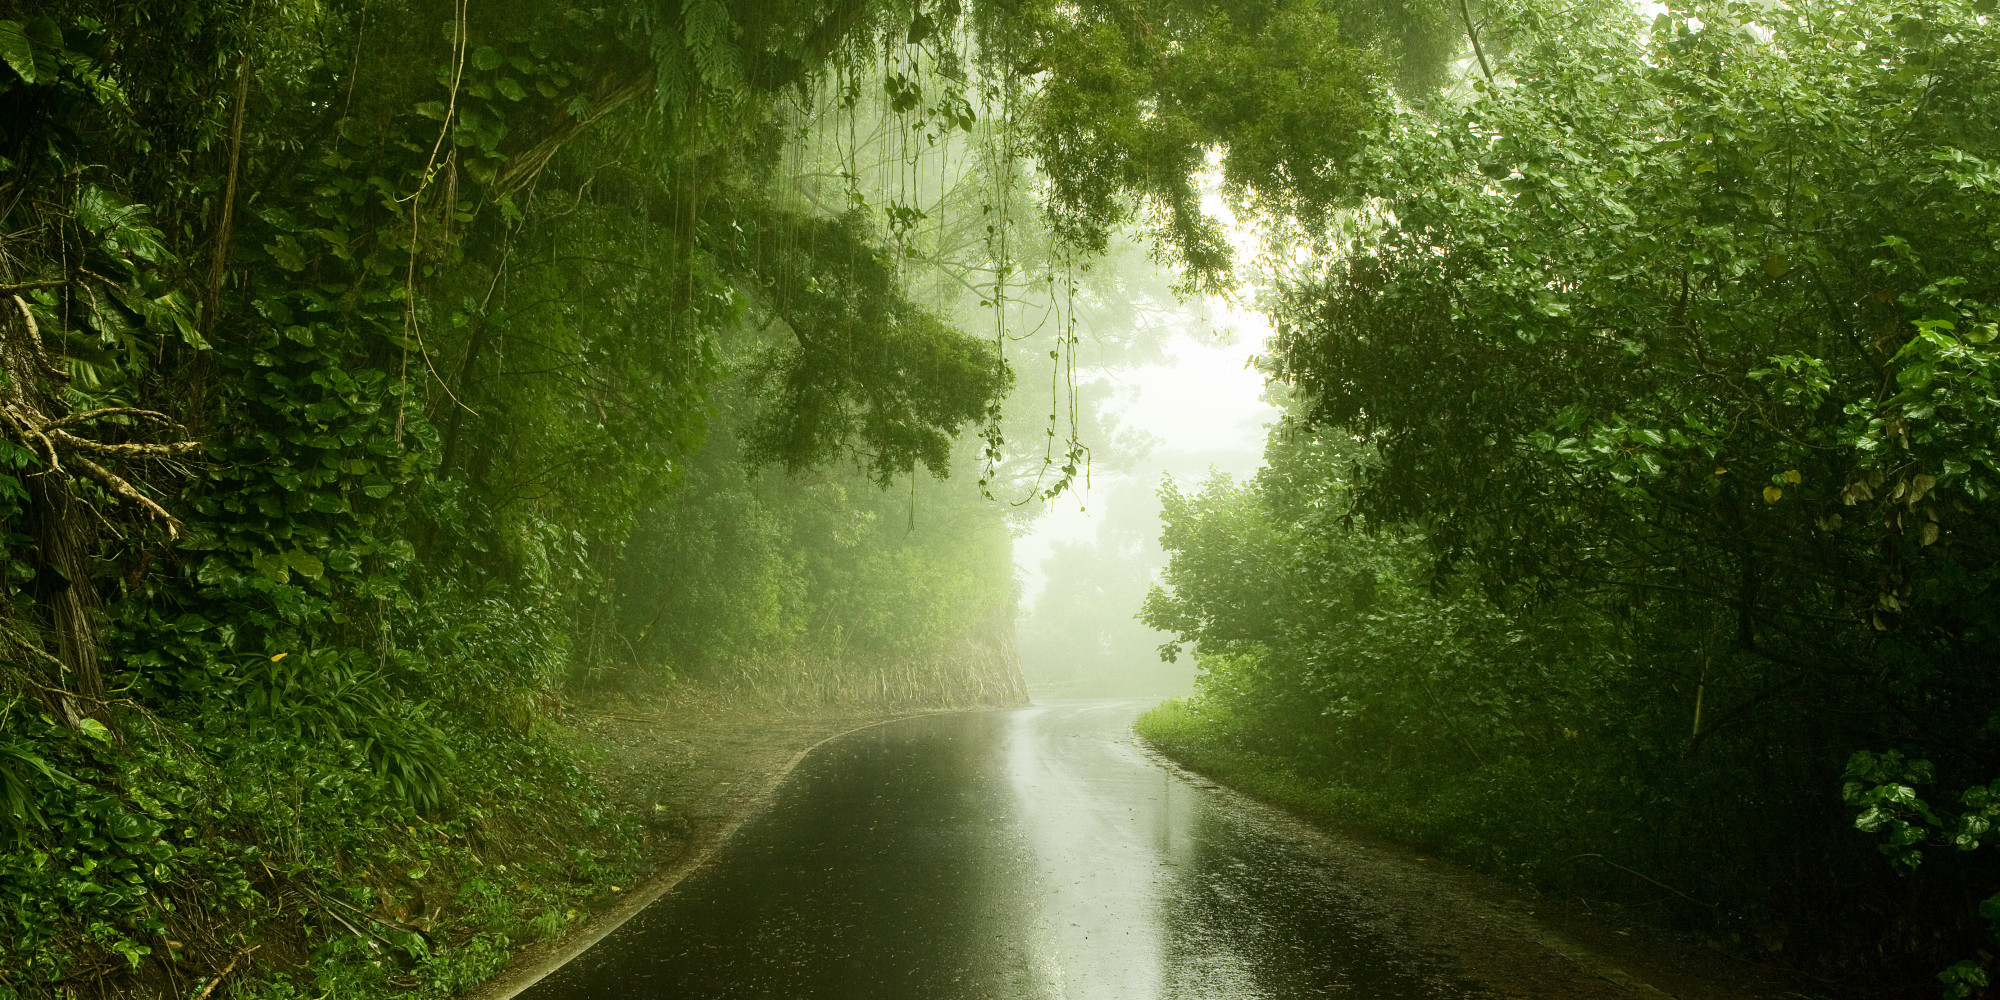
pixel 1500 934
pixel 699 769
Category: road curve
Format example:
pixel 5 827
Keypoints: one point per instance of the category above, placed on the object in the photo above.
pixel 1042 853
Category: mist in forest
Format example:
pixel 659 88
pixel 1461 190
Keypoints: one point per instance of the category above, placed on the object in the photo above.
pixel 1080 636
pixel 443 444
pixel 1183 404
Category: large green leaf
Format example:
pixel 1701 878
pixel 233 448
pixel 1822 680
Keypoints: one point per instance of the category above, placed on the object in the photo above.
pixel 16 51
pixel 306 563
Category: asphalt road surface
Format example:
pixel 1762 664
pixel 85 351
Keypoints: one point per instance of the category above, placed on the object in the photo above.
pixel 1043 853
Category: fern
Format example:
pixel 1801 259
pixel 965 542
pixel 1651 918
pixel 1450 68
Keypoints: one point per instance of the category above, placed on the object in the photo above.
pixel 711 44
pixel 673 78
pixel 19 803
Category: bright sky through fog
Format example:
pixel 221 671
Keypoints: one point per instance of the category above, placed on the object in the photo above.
pixel 1203 409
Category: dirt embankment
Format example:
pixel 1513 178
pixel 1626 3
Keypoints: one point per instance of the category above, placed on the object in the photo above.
pixel 699 768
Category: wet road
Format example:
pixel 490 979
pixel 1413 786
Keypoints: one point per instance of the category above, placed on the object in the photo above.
pixel 1031 854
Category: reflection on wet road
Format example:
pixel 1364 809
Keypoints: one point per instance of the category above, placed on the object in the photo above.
pixel 1031 854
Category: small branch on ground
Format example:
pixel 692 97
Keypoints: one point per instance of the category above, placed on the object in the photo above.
pixel 226 970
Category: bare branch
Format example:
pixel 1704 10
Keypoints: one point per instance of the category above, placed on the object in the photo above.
pixel 132 450
pixel 30 431
pixel 35 341
pixel 220 265
pixel 33 647
pixel 125 491
pixel 112 411
pixel 527 165
pixel 1472 32
pixel 226 970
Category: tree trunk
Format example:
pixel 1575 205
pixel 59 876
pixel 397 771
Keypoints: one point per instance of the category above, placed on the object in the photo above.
pixel 64 589
pixel 57 520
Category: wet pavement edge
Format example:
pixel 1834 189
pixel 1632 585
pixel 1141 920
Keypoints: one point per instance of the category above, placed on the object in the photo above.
pixel 538 962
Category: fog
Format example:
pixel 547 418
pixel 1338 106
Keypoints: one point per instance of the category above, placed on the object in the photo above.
pixel 1088 561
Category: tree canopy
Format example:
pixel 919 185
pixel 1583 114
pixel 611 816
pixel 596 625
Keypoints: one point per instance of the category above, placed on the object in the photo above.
pixel 376 375
pixel 1640 472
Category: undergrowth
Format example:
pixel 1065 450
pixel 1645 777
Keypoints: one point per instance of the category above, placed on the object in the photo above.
pixel 304 863
pixel 1507 817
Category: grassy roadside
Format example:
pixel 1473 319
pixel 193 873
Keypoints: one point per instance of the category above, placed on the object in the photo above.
pixel 1682 965
pixel 559 831
pixel 1441 824
pixel 428 910
pixel 1202 742
pixel 1495 819
pixel 1500 818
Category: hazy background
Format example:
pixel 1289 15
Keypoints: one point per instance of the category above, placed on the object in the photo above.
pixel 1189 404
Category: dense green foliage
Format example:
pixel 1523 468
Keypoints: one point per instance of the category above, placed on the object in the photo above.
pixel 1641 472
pixel 378 378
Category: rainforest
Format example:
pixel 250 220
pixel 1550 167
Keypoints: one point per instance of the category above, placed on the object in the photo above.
pixel 553 499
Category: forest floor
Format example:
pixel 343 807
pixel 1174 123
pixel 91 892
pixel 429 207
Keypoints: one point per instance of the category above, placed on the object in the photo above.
pixel 699 767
